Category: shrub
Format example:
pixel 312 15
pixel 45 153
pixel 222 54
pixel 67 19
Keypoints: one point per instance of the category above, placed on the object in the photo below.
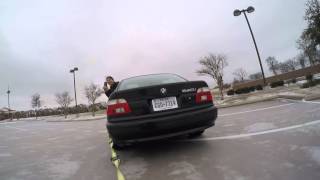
pixel 230 92
pixel 316 81
pixel 226 86
pixel 259 87
pixel 242 90
pixel 309 77
pixel 293 81
pixel 310 84
pixel 276 84
pixel 252 88
pixel 305 85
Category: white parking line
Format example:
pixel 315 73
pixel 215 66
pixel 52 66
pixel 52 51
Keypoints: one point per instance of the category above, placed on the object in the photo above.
pixel 300 101
pixel 3 123
pixel 260 109
pixel 311 102
pixel 20 129
pixel 254 134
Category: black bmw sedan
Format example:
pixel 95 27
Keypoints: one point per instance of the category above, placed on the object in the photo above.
pixel 158 106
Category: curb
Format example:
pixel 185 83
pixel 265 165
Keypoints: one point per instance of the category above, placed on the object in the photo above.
pixel 20 120
pixel 293 97
pixel 31 120
pixel 312 97
pixel 73 120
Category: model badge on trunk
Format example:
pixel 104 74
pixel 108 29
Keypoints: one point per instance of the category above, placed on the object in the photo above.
pixel 163 90
pixel 188 90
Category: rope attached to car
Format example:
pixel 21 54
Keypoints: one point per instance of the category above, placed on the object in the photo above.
pixel 116 161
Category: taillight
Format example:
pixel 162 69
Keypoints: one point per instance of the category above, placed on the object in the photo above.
pixel 203 95
pixel 117 107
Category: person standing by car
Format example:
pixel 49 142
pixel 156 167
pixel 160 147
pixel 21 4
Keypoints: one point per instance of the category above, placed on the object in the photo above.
pixel 112 85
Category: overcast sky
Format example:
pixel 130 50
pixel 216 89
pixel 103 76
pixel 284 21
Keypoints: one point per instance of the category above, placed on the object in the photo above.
pixel 41 40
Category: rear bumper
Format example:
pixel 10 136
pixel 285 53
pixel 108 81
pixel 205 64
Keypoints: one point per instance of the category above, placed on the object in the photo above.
pixel 162 127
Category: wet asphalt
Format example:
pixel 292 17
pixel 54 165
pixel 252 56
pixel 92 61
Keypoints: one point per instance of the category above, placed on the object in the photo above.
pixel 277 139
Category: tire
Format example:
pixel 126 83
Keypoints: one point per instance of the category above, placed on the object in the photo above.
pixel 120 146
pixel 196 134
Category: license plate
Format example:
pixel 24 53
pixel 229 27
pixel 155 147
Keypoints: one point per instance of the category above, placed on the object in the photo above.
pixel 164 103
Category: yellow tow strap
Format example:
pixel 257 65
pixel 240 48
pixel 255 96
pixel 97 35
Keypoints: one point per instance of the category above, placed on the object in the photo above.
pixel 115 161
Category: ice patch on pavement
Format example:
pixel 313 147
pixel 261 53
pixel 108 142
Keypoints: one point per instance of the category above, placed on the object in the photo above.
pixel 62 168
pixel 310 130
pixel 314 153
pixel 24 173
pixel 185 170
pixel 265 143
pixel 288 165
pixel 228 125
pixel 90 148
pixel 103 131
pixel 69 130
pixel 87 131
pixel 5 155
pixel 230 174
pixel 260 127
pixel 293 147
pixel 53 139
pixel 135 168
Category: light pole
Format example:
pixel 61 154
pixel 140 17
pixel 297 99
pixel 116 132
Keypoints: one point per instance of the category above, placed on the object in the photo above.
pixel 8 92
pixel 73 71
pixel 250 9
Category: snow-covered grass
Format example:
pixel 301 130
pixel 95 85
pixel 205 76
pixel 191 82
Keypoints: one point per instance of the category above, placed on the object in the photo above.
pixel 291 90
pixel 71 117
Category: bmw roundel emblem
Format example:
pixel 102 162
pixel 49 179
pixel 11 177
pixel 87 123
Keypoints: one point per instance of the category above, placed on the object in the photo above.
pixel 163 90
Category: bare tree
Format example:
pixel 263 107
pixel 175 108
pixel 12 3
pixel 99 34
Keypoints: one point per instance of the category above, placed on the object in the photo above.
pixel 92 92
pixel 36 103
pixel 213 65
pixel 310 37
pixel 235 80
pixel 293 64
pixel 255 76
pixel 284 68
pixel 240 74
pixel 301 59
pixel 308 49
pixel 273 64
pixel 288 65
pixel 64 100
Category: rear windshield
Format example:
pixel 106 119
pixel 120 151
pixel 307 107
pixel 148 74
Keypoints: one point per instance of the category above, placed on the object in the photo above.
pixel 149 80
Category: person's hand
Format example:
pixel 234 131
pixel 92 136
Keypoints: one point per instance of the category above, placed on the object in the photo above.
pixel 105 88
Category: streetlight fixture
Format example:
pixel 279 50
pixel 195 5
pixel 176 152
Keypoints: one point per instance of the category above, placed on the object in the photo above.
pixel 8 92
pixel 73 71
pixel 250 9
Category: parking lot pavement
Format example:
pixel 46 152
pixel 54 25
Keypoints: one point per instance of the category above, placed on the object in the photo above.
pixel 269 140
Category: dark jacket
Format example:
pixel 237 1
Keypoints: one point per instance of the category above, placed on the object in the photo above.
pixel 112 88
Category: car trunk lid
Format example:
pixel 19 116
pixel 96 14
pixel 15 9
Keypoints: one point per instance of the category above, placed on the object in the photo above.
pixel 141 99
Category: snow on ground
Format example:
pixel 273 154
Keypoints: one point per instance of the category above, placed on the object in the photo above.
pixel 71 117
pixel 268 93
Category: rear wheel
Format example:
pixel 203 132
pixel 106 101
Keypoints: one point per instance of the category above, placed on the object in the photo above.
pixel 121 146
pixel 196 134
pixel 118 146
